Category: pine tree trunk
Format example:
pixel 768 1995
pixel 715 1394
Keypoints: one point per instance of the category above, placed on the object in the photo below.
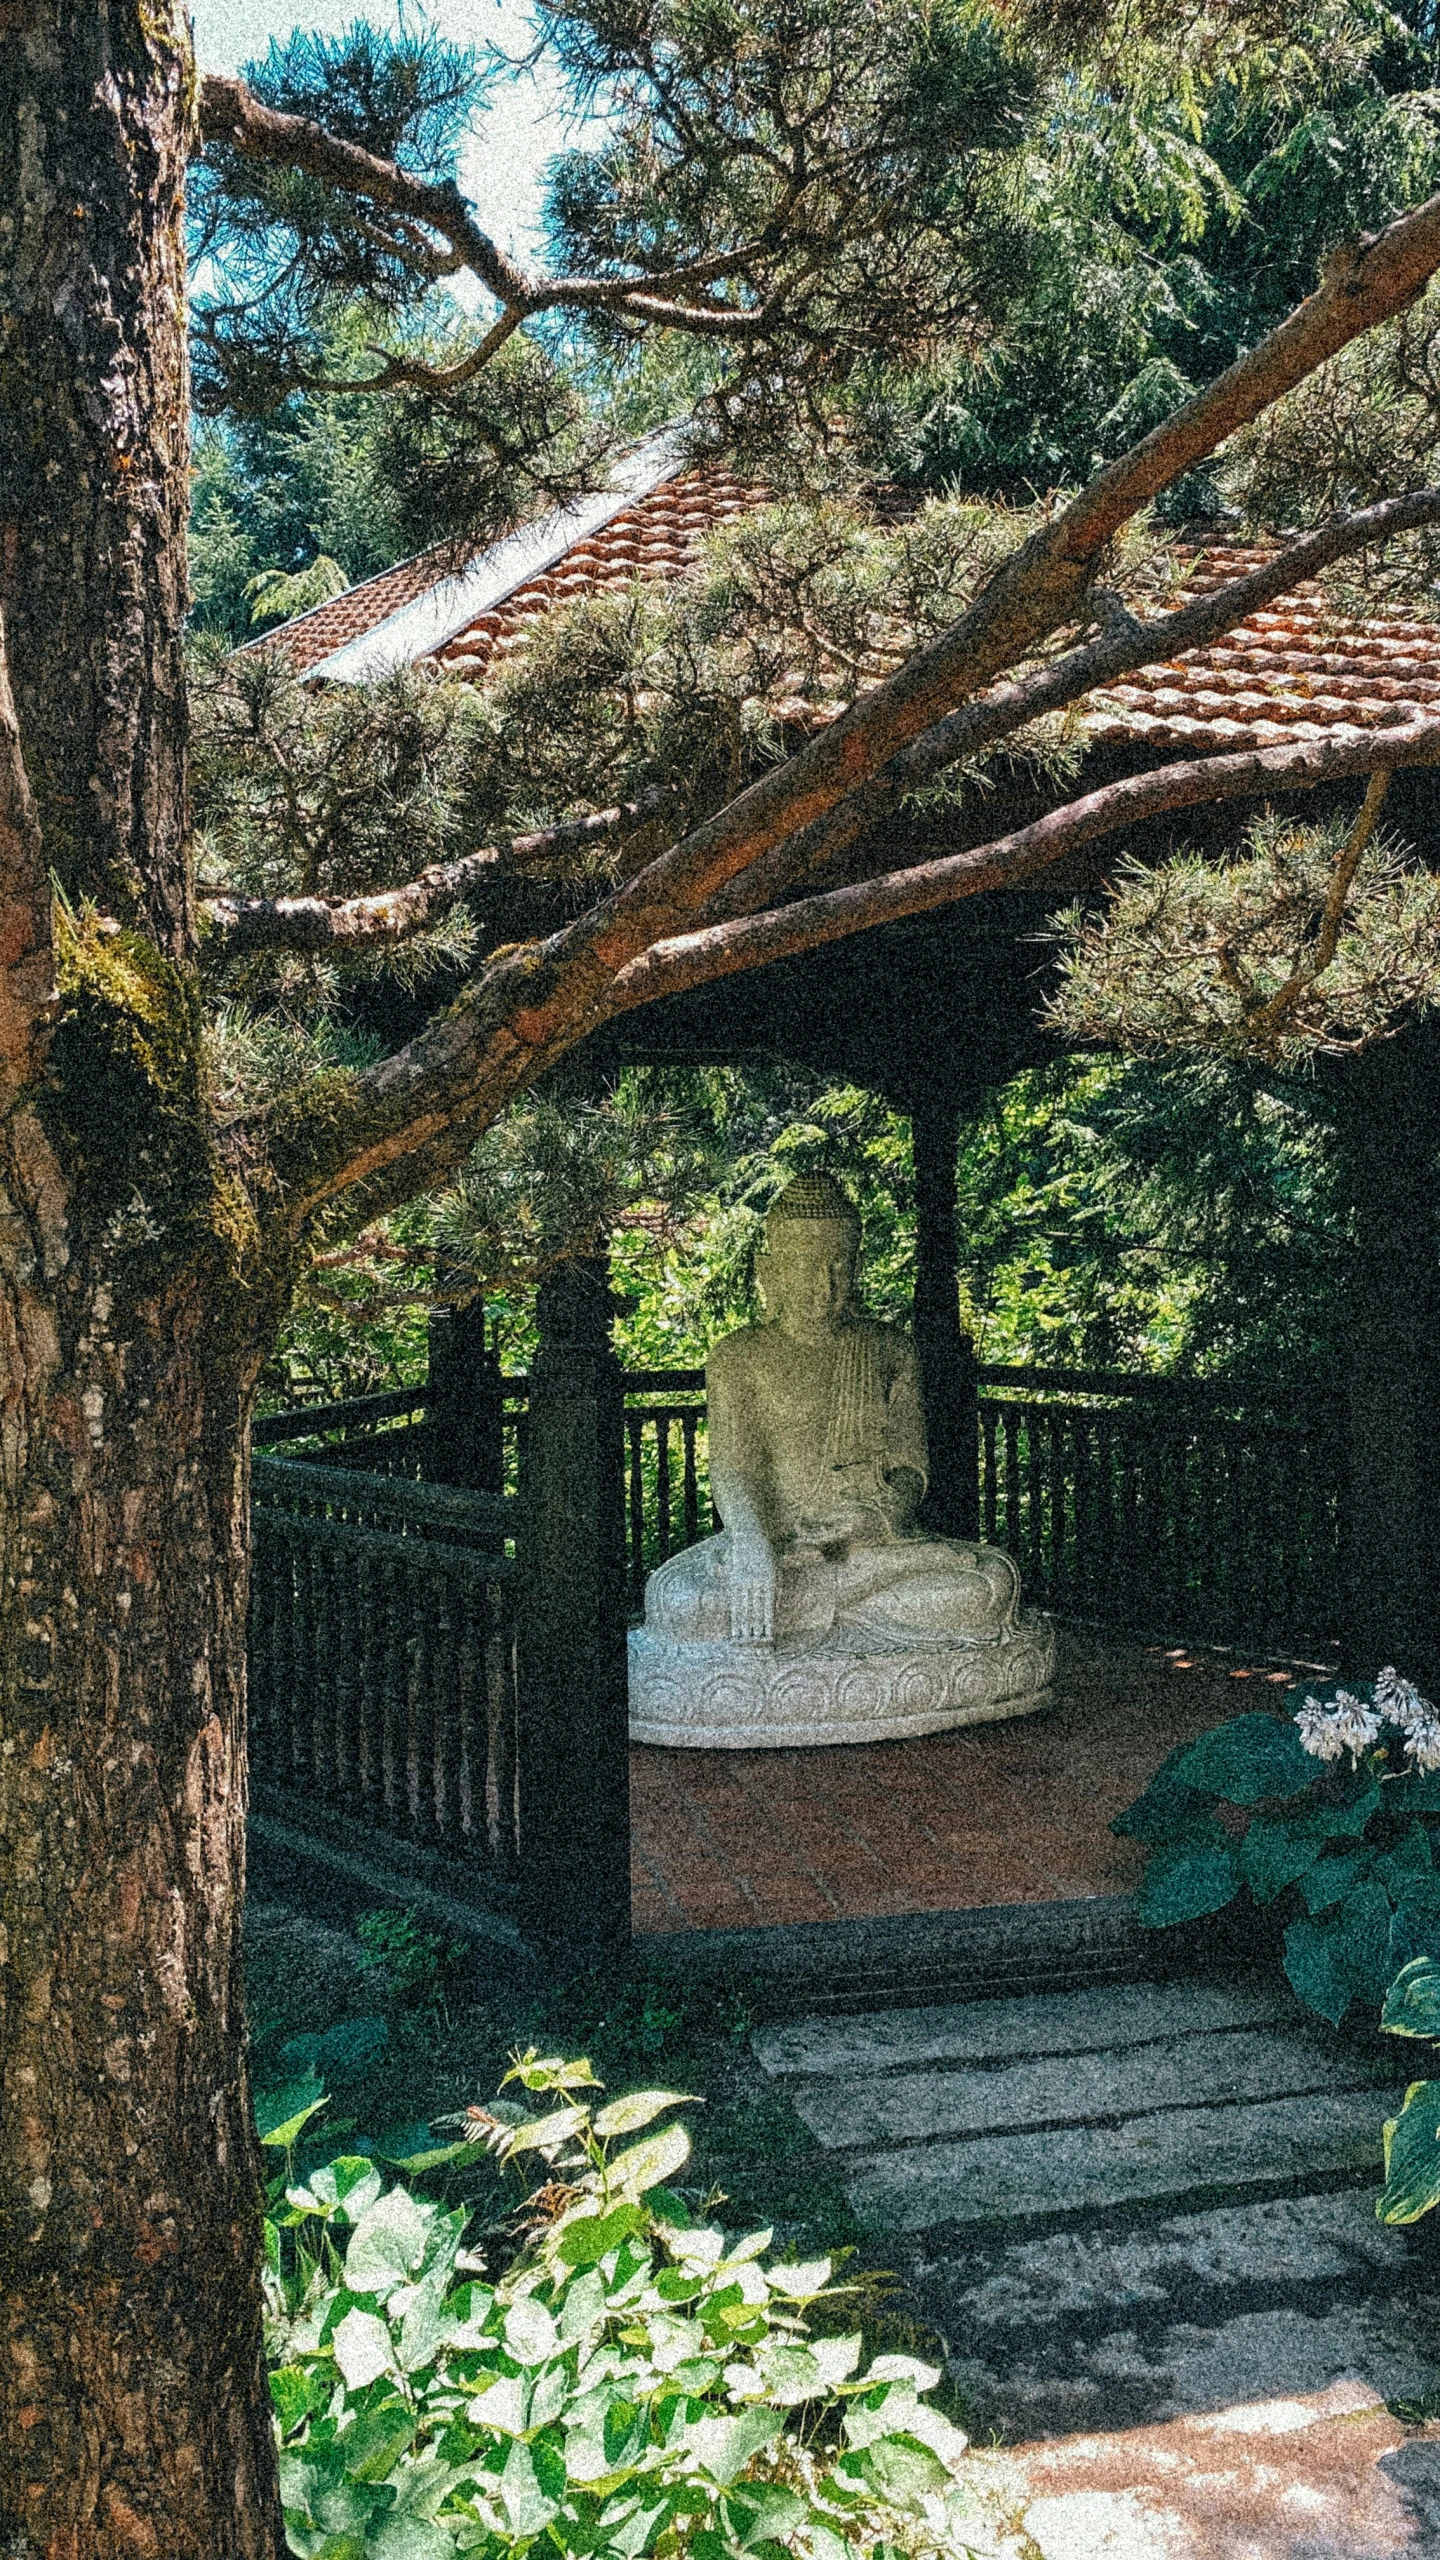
pixel 133 2415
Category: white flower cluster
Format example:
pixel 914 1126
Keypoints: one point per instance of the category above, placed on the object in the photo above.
pixel 1401 1704
pixel 1346 1724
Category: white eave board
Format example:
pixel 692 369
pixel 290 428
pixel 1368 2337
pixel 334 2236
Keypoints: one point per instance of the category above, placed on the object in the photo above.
pixel 414 629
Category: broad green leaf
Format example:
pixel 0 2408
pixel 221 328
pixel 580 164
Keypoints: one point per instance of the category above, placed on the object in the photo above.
pixel 761 2511
pixel 526 2503
pixel 837 2358
pixel 549 2071
pixel 802 2282
pixel 297 2392
pixel 646 2163
pixel 387 2245
pixel 362 2348
pixel 1412 1934
pixel 1330 1879
pixel 1167 1809
pixel 1412 2003
pixel 1250 1757
pixel 505 2406
pixel 410 2538
pixel 1315 1968
pixel 900 2467
pixel 631 2533
pixel 628 2115
pixel 587 2238
pixel 921 2377
pixel 1187 1881
pixel 546 2133
pixel 344 2188
pixel 1412 2156
pixel 1364 1918
pixel 280 2113
pixel 439 2155
pixel 373 2443
pixel 785 2378
pixel 530 2333
pixel 725 2445
pixel 1276 1851
pixel 424 2320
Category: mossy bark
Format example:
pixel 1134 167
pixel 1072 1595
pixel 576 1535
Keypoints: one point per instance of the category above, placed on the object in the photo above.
pixel 134 2421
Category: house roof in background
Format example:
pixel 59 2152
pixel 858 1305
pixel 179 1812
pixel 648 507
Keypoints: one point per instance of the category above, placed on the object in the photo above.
pixel 1298 669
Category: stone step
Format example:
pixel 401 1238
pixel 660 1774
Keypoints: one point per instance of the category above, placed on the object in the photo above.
pixel 1126 2203
pixel 1176 2151
pixel 1094 2020
pixel 1082 2088
pixel 1137 2320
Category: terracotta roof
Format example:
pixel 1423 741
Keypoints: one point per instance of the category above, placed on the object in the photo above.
pixel 328 627
pixel 659 536
pixel 1300 669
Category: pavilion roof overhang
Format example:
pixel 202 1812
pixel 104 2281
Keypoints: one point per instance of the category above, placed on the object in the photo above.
pixel 958 988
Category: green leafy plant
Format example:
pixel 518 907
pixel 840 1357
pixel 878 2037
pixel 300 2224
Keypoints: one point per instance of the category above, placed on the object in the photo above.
pixel 1412 2139
pixel 1331 1809
pixel 414 1969
pixel 630 2379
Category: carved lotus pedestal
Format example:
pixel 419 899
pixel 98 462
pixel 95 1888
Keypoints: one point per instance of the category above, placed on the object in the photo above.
pixel 852 1687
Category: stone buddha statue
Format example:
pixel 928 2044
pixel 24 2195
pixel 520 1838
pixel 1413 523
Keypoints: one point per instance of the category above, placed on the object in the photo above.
pixel 821 1613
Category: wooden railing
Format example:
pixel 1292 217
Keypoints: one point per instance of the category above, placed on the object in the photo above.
pixel 382 1656
pixel 1201 1509
pixel 1167 1506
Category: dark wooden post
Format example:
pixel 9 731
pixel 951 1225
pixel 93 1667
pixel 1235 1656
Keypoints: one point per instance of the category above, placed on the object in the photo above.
pixel 947 1361
pixel 1390 1131
pixel 573 1672
pixel 464 1418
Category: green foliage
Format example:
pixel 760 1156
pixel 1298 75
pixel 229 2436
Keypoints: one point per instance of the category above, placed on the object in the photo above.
pixel 1412 2139
pixel 633 2379
pixel 1197 170
pixel 275 597
pixel 1331 1811
pixel 414 1968
pixel 1221 957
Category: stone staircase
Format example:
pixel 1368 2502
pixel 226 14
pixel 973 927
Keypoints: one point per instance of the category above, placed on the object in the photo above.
pixel 1136 2211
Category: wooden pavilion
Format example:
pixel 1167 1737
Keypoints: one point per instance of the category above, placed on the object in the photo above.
pixel 932 1012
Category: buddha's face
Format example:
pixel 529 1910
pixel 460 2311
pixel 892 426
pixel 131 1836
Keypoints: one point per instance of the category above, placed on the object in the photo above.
pixel 807 1275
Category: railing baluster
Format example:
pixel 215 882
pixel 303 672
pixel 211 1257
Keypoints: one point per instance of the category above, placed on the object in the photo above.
pixel 987 1480
pixel 688 1422
pixel 634 1425
pixel 662 1486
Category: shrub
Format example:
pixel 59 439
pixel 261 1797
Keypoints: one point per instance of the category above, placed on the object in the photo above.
pixel 1331 1809
pixel 627 2379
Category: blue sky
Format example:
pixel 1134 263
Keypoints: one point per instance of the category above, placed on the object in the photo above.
pixel 501 171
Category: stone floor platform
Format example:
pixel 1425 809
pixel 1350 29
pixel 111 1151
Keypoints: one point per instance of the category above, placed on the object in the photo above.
pixel 1016 1812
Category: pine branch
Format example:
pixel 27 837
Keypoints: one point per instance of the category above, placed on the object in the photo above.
pixel 230 113
pixel 691 960
pixel 530 1007
pixel 27 957
pixel 395 915
pixel 1005 709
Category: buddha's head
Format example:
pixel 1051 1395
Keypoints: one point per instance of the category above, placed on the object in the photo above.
pixel 807 1271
